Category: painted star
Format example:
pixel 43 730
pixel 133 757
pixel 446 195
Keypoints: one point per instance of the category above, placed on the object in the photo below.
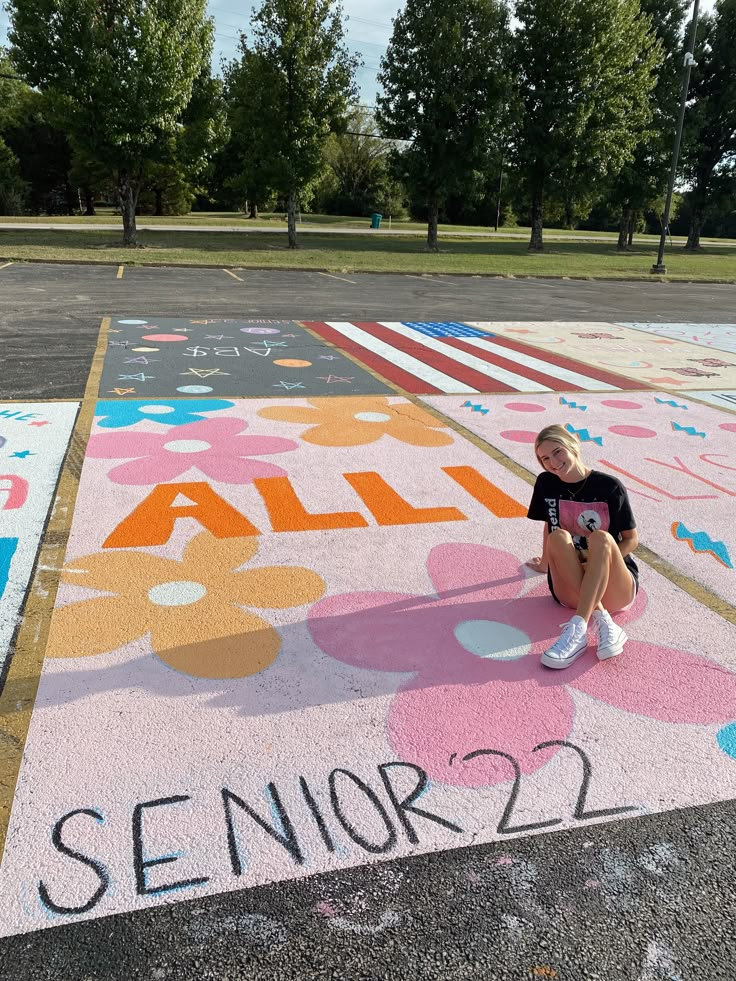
pixel 139 377
pixel 121 391
pixel 332 379
pixel 288 385
pixel 328 357
pixel 141 360
pixel 218 337
pixel 22 454
pixel 204 372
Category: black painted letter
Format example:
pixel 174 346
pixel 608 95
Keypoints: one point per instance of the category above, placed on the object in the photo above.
pixel 401 806
pixel 140 864
pixel 97 867
pixel 285 836
pixel 368 846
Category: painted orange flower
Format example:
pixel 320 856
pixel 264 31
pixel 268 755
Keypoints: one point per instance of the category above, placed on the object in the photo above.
pixel 357 421
pixel 193 609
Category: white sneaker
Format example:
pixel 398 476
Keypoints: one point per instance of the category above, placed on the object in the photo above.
pixel 572 643
pixel 611 637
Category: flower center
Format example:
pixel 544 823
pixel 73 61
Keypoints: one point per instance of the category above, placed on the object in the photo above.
pixel 187 446
pixel 372 416
pixel 176 593
pixel 487 638
pixel 156 410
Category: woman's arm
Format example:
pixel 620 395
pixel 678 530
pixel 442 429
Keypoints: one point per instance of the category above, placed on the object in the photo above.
pixel 539 562
pixel 629 541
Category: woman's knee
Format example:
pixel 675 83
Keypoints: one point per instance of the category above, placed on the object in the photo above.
pixel 558 540
pixel 600 541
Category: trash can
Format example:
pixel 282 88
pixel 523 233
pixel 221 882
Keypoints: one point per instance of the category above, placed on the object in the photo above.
pixel 376 220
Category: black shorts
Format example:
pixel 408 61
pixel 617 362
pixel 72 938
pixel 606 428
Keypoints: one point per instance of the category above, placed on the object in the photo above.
pixel 634 576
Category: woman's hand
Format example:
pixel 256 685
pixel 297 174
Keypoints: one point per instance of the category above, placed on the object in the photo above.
pixel 537 564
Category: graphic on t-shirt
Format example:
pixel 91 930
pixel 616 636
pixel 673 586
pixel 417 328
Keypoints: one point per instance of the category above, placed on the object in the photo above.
pixel 583 518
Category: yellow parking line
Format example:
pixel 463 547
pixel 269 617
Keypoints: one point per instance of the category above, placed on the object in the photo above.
pixel 233 275
pixel 121 269
pixel 19 693
pixel 5 264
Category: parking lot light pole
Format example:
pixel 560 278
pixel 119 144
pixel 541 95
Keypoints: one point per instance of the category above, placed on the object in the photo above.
pixel 688 63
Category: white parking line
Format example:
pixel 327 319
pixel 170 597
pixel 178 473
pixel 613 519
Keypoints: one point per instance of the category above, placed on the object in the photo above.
pixel 330 276
pixel 5 265
pixel 233 275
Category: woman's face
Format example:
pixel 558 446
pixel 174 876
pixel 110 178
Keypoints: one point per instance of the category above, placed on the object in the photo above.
pixel 557 459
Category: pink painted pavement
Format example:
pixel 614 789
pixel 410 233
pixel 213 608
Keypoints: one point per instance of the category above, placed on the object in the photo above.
pixel 676 457
pixel 215 713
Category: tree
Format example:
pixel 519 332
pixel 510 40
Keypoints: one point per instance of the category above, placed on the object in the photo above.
pixel 710 133
pixel 444 86
pixel 359 178
pixel 247 158
pixel 586 72
pixel 12 186
pixel 172 184
pixel 303 80
pixel 642 181
pixel 118 73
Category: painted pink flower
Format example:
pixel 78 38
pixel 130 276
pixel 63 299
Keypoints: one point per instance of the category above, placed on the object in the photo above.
pixel 475 682
pixel 213 446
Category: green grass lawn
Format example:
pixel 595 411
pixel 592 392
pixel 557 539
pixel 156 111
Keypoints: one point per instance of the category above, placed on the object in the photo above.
pixel 362 253
pixel 222 219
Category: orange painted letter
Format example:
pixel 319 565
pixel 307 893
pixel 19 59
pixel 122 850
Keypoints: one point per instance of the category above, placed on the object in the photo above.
pixel 486 493
pixel 389 508
pixel 287 512
pixel 152 522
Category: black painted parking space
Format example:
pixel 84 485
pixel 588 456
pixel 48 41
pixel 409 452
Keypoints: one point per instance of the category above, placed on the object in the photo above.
pixel 161 356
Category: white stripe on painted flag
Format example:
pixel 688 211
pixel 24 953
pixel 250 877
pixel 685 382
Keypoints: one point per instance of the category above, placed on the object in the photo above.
pixel 401 359
pixel 564 374
pixel 510 378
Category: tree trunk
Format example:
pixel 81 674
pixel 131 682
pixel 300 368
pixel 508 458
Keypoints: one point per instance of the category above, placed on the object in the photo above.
pixel 432 227
pixel 89 201
pixel 536 243
pixel 623 229
pixel 632 223
pixel 253 209
pixel 69 195
pixel 291 218
pixel 159 210
pixel 128 197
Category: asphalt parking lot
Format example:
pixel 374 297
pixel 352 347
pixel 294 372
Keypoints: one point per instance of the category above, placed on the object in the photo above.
pixel 647 899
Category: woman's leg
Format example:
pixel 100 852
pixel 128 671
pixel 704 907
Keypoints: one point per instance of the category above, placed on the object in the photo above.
pixel 606 581
pixel 565 569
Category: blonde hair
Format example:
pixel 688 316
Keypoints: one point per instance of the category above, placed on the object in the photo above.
pixel 558 434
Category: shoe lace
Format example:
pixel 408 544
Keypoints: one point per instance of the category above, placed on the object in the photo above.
pixel 605 629
pixel 567 634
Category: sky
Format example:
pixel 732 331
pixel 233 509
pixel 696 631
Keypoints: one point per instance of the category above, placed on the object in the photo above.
pixel 368 29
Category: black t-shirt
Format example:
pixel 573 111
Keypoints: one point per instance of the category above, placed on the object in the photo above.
pixel 599 502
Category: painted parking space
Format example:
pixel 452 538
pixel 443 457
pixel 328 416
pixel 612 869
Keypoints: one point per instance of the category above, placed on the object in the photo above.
pixel 150 358
pixel 677 459
pixel 299 637
pixel 719 336
pixel 646 359
pixel 430 357
pixel 33 440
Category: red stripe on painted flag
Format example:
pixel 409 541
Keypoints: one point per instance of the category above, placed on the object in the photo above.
pixel 608 377
pixel 404 379
pixel 531 374
pixel 441 362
